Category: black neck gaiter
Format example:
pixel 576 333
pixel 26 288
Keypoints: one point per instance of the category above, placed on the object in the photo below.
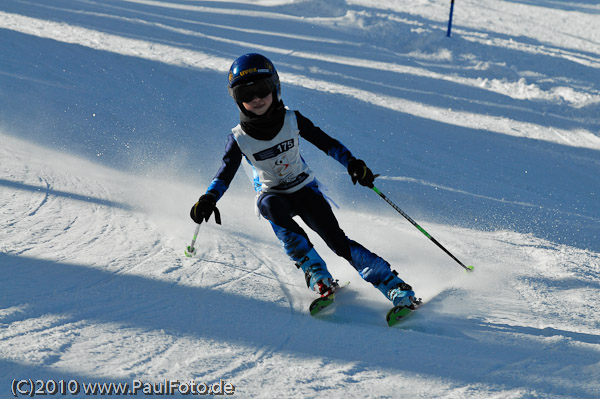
pixel 263 127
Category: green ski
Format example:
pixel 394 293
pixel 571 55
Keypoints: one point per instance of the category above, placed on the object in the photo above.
pixel 400 313
pixel 396 314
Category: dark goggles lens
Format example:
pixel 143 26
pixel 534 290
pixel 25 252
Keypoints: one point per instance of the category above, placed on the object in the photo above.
pixel 246 92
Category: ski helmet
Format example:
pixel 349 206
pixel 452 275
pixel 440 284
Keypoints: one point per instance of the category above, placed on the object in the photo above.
pixel 252 75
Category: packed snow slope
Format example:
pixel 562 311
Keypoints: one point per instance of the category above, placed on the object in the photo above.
pixel 113 117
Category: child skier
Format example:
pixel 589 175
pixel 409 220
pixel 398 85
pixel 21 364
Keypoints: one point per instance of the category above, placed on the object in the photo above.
pixel 268 138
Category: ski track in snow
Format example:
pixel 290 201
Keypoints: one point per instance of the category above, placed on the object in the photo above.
pixel 95 286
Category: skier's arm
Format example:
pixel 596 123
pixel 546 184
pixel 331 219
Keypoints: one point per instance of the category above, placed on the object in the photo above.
pixel 229 166
pixel 207 204
pixel 322 140
pixel 357 169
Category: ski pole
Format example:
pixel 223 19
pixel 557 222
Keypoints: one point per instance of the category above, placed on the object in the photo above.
pixel 450 19
pixel 422 230
pixel 190 251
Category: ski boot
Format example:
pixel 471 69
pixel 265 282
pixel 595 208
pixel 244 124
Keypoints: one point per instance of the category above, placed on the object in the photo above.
pixel 397 291
pixel 316 275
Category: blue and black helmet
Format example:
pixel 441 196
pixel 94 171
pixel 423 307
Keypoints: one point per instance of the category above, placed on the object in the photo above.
pixel 253 75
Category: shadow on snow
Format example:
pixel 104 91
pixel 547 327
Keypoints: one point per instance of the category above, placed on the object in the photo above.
pixel 80 293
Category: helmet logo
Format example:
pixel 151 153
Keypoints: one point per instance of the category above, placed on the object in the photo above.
pixel 247 71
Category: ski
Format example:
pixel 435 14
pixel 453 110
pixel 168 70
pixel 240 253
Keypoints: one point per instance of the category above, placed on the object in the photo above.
pixel 323 302
pixel 400 313
pixel 393 316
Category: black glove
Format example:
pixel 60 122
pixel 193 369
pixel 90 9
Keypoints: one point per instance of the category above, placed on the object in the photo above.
pixel 206 205
pixel 358 170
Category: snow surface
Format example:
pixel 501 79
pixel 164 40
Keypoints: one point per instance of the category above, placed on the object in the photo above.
pixel 113 117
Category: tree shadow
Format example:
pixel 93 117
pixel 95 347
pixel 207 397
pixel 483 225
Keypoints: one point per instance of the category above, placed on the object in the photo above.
pixel 64 194
pixel 80 293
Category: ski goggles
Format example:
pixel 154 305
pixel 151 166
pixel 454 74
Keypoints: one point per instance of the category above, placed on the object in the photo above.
pixel 246 92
